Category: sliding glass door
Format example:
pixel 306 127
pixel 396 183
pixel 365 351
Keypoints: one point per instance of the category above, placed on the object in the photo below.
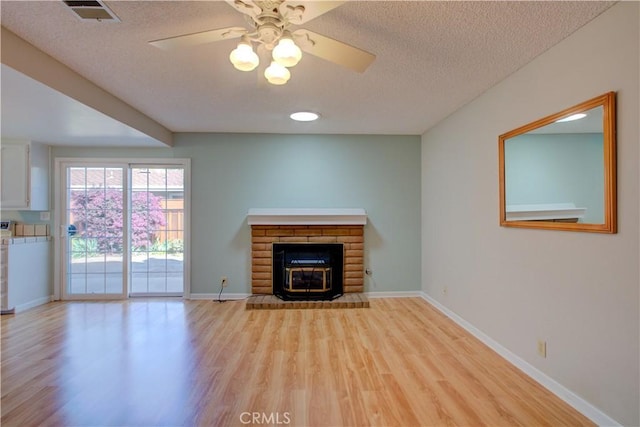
pixel 94 232
pixel 157 230
pixel 122 230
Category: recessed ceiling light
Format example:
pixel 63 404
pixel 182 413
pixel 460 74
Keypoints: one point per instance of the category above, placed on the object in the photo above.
pixel 572 118
pixel 304 116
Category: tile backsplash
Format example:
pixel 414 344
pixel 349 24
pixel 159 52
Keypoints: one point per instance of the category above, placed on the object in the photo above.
pixel 31 230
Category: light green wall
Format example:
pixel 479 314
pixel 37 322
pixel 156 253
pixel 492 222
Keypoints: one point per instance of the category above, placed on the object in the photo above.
pixel 26 217
pixel 232 173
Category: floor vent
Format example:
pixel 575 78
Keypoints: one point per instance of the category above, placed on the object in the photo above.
pixel 92 11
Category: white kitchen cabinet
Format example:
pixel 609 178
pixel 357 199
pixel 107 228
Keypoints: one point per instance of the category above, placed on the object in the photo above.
pixel 24 175
pixel 5 304
pixel 26 271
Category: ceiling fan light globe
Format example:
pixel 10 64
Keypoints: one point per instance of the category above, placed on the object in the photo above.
pixel 244 58
pixel 286 53
pixel 277 74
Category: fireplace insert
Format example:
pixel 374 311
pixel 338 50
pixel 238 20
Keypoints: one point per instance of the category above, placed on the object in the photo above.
pixel 307 271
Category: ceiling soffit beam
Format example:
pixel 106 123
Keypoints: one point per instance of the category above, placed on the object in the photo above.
pixel 22 56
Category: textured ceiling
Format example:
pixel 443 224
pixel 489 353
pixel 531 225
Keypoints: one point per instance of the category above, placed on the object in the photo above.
pixel 432 58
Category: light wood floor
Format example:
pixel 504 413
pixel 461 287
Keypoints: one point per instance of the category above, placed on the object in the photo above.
pixel 202 363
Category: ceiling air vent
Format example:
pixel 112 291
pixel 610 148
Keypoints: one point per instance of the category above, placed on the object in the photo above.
pixel 92 11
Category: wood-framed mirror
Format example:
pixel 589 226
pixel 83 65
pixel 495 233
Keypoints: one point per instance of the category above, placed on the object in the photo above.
pixel 559 172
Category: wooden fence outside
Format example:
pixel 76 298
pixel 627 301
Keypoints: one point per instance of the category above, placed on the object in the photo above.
pixel 174 229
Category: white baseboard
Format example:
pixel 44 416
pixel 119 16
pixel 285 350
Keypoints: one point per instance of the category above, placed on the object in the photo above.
pixel 394 294
pixel 33 303
pixel 214 296
pixel 578 403
pixel 400 294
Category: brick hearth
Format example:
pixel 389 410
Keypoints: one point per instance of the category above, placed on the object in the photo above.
pixel 264 236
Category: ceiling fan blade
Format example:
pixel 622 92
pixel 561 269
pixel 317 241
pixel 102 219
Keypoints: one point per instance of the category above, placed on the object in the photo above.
pixel 248 7
pixel 298 12
pixel 333 50
pixel 196 39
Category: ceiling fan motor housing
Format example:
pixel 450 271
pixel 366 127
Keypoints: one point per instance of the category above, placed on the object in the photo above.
pixel 269 28
pixel 269 34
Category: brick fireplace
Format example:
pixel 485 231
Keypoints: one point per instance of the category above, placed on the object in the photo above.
pixel 300 226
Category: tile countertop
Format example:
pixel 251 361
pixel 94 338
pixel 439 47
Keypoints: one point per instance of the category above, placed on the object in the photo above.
pixel 18 240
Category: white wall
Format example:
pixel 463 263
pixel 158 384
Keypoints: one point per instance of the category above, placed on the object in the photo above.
pixel 232 173
pixel 577 291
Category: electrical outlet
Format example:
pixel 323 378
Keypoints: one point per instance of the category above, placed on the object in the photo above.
pixel 542 348
pixel 223 281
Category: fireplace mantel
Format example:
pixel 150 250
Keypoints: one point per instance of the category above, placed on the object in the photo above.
pixel 307 217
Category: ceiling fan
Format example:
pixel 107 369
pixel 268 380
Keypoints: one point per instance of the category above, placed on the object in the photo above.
pixel 271 22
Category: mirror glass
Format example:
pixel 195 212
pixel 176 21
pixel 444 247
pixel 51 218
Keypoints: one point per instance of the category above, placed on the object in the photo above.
pixel 559 172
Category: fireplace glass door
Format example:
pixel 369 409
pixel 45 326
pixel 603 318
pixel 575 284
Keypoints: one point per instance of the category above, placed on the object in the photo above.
pixel 304 271
pixel 307 279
